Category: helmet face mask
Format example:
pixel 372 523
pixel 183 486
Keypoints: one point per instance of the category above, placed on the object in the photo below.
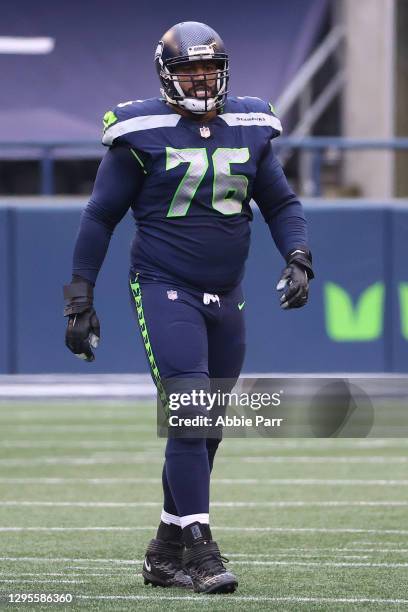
pixel 197 92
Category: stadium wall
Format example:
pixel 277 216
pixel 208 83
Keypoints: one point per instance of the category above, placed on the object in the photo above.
pixel 356 320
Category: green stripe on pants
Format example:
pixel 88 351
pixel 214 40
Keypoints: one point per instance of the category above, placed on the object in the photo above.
pixel 137 294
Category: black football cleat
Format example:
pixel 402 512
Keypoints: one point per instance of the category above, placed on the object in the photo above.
pixel 205 565
pixel 203 562
pixel 163 565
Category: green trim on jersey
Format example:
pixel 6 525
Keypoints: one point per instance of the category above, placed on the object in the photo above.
pixel 137 294
pixel 139 160
pixel 272 108
pixel 109 119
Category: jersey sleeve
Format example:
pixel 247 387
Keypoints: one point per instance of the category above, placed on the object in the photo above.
pixel 115 122
pixel 263 114
pixel 117 185
pixel 279 206
pixel 274 120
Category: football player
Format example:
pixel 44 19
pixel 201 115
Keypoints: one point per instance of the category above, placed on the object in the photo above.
pixel 188 163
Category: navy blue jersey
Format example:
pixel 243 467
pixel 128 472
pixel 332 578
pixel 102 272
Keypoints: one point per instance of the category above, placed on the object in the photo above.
pixel 189 185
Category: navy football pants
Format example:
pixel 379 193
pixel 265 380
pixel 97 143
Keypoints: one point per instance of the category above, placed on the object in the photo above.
pixel 189 334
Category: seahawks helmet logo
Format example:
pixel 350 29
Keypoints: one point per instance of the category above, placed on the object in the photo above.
pixel 159 51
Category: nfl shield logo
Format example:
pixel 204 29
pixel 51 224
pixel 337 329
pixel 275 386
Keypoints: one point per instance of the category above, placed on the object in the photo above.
pixel 205 132
pixel 172 295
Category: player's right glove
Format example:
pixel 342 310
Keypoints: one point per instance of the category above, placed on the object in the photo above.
pixel 83 329
pixel 294 281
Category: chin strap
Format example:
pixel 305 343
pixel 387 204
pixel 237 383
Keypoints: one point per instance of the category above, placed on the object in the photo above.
pixel 196 106
pixel 191 104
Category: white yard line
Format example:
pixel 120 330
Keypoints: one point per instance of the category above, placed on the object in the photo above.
pixel 13 580
pixel 217 528
pixel 244 558
pixel 78 391
pixel 321 551
pixel 62 504
pixel 279 562
pixel 325 459
pixel 233 599
pixel 153 457
pixel 93 481
pixel 99 460
pixel 346 482
pixel 70 560
pixel 314 530
pixel 327 443
pixel 107 570
pixel 63 574
pixel 272 562
pixel 127 565
pixel 97 428
pixel 65 416
pixel 310 504
pixel 70 529
pixel 369 543
pixel 216 504
pixel 322 563
pixel 87 444
pixel 298 444
pixel 312 481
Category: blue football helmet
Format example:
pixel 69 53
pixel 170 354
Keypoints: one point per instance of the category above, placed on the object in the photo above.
pixel 187 42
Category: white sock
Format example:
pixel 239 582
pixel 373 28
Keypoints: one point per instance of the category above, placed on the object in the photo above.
pixel 170 519
pixel 194 518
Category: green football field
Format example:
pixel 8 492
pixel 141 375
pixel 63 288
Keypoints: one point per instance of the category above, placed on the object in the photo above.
pixel 307 524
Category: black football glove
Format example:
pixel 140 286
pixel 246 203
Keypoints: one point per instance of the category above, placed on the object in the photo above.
pixel 294 281
pixel 83 329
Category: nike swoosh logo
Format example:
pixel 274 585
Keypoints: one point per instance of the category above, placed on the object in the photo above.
pixel 240 306
pixel 147 565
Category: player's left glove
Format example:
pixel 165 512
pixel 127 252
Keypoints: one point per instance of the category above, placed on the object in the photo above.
pixel 83 329
pixel 294 281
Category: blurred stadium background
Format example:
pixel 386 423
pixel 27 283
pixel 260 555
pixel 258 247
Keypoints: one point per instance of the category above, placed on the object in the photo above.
pixel 89 466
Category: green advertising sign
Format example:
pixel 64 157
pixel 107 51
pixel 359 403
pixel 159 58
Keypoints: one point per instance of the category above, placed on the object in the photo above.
pixel 359 322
